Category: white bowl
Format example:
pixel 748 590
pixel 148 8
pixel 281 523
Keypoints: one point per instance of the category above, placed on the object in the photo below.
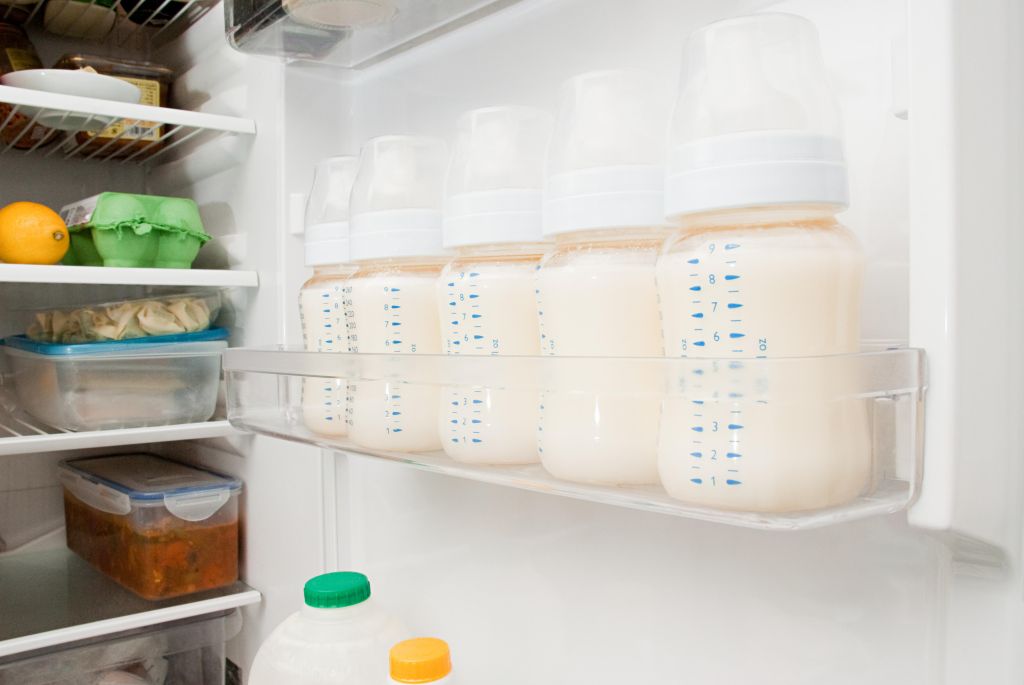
pixel 72 82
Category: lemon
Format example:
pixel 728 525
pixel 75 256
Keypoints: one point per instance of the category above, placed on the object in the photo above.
pixel 31 233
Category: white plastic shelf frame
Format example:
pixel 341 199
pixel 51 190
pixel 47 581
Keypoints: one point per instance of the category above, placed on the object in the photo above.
pixel 22 434
pixel 135 22
pixel 159 130
pixel 52 598
pixel 777 444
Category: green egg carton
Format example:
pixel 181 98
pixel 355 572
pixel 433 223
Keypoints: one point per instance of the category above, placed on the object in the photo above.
pixel 125 230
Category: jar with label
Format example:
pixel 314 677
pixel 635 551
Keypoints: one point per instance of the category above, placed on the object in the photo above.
pixel 391 298
pixel 760 268
pixel 486 295
pixel 17 54
pixel 141 138
pixel 596 290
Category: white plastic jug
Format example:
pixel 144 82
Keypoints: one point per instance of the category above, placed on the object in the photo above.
pixel 340 637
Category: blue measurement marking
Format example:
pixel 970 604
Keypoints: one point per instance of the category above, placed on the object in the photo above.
pixel 693 261
pixel 396 290
pixel 699 343
pixel 478 401
pixel 698 401
pixel 734 305
pixel 397 306
pixel 396 342
pixel 695 288
pixel 698 481
pixel 476 316
pixel 396 430
pixel 734 336
pixel 735 427
pixel 731 246
pixel 698 455
pixel 733 455
pixel 698 315
pixel 697 429
pixel 731 277
pixel 473 296
pixel 730 481
pixel 451 285
pixel 478 337
pixel 396 323
pixel 396 413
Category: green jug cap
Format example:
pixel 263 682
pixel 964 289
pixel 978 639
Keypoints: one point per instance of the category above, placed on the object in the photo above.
pixel 337 590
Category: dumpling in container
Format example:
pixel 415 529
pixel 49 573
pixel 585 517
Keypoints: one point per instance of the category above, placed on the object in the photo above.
pixel 156 319
pixel 41 328
pixel 97 325
pixel 191 312
pixel 125 318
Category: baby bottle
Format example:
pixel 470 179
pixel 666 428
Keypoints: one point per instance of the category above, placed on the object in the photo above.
pixel 486 294
pixel 596 290
pixel 391 297
pixel 320 299
pixel 760 268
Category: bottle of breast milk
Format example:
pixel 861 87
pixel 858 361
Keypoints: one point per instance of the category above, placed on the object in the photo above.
pixel 758 269
pixel 320 299
pixel 339 637
pixel 422 660
pixel 487 294
pixel 392 296
pixel 596 290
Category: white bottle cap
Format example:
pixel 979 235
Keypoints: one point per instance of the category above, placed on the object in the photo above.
pixel 755 123
pixel 606 160
pixel 326 220
pixel 397 197
pixel 495 178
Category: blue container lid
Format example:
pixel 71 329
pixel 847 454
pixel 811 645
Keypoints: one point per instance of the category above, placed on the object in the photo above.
pixel 22 342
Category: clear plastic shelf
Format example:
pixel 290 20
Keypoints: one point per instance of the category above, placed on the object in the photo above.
pixel 823 439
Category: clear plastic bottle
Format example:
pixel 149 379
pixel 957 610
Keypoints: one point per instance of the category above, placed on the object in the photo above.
pixel 421 660
pixel 487 294
pixel 324 328
pixel 760 268
pixel 596 290
pixel 391 297
pixel 339 637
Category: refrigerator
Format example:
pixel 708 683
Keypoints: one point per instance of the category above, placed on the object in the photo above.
pixel 529 579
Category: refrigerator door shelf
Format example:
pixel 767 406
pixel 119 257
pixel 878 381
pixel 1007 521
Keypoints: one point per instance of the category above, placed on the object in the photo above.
pixel 774 444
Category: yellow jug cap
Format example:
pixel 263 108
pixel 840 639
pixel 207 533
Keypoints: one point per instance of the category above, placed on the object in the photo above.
pixel 421 660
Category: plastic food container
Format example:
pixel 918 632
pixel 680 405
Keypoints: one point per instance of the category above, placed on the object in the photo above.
pixel 127 319
pixel 127 230
pixel 153 381
pixel 157 527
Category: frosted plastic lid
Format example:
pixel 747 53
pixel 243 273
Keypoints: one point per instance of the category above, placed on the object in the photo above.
pixel 397 198
pixel 755 122
pixel 606 160
pixel 112 484
pixel 327 211
pixel 21 342
pixel 493 190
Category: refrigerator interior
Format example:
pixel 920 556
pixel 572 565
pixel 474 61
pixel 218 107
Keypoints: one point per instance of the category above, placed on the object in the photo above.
pixel 530 587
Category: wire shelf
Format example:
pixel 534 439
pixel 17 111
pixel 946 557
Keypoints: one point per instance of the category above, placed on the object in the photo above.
pixel 149 23
pixel 51 124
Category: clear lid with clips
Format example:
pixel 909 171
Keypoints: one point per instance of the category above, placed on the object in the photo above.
pixel 119 483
